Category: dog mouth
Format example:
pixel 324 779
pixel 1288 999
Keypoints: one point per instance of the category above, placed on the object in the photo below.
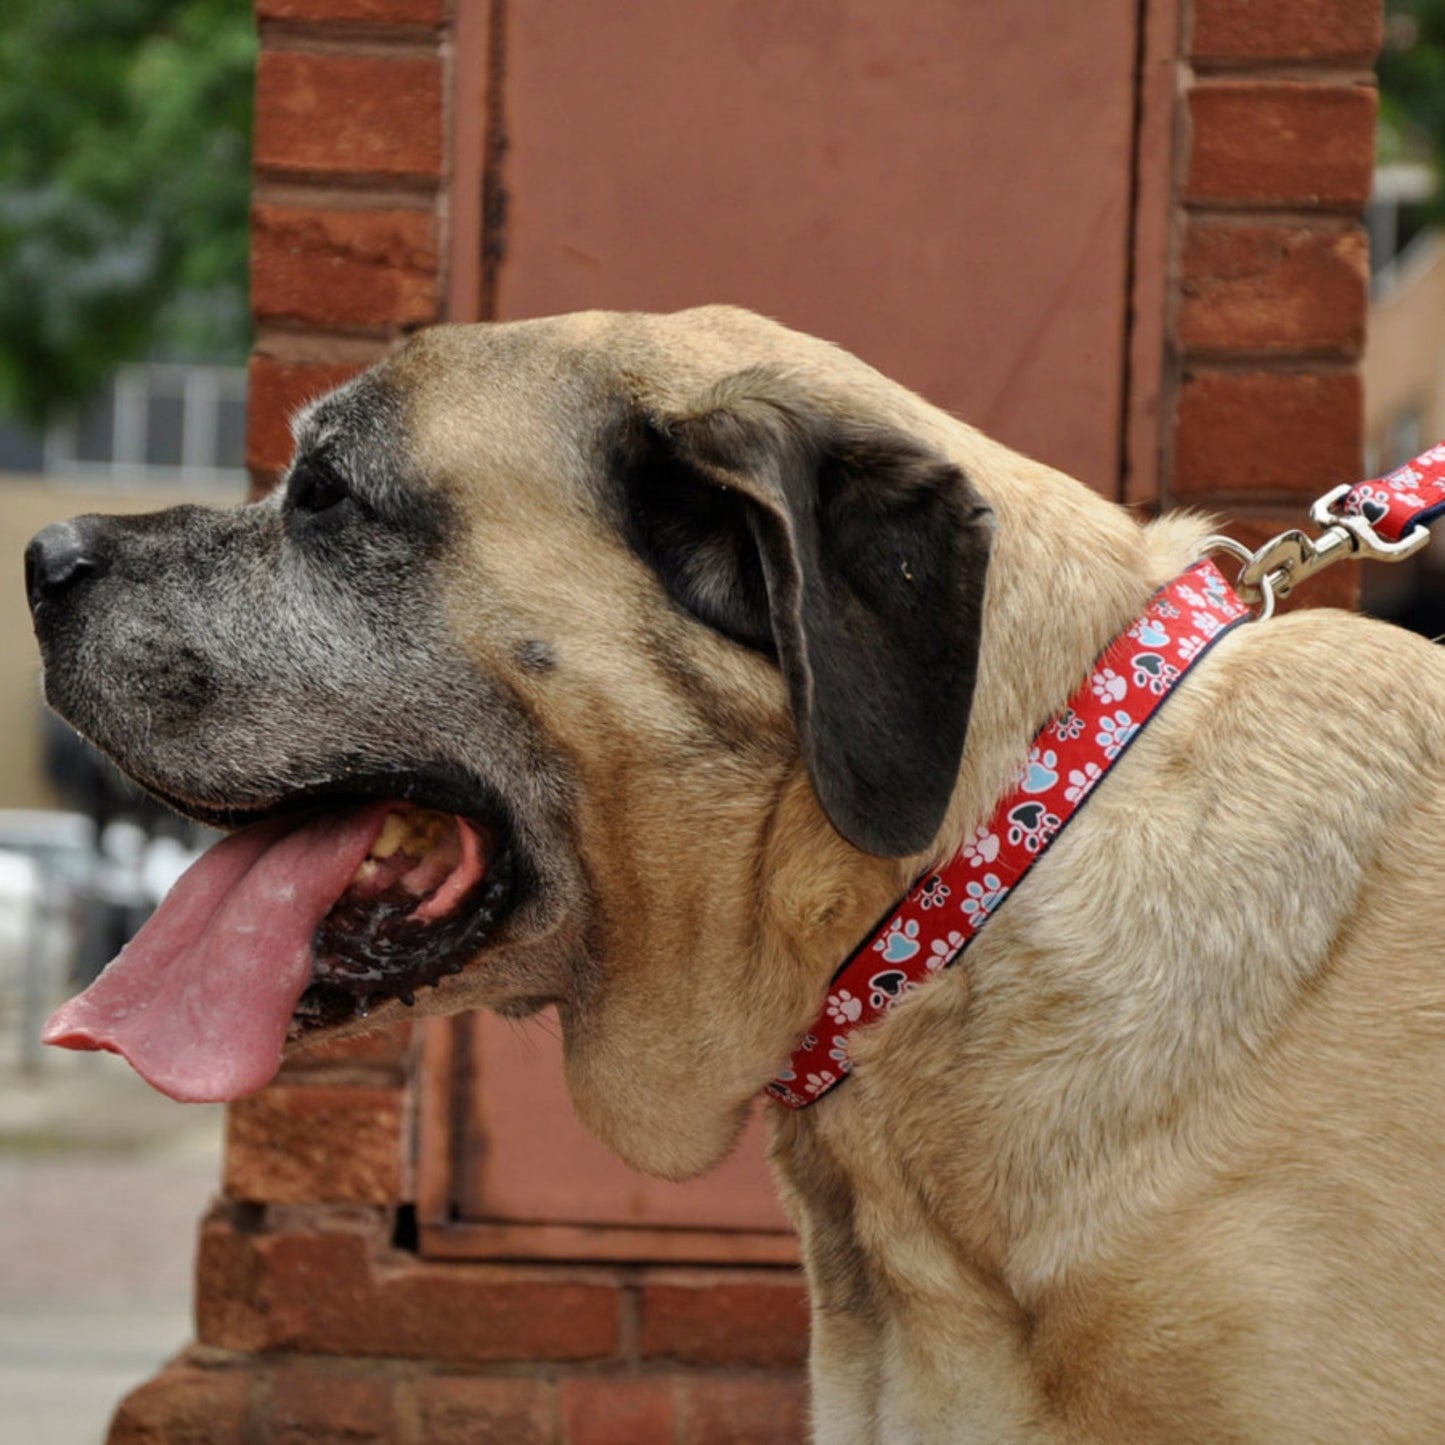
pixel 319 908
pixel 423 901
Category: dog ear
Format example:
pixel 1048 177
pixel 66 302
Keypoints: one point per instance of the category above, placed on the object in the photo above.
pixel 853 553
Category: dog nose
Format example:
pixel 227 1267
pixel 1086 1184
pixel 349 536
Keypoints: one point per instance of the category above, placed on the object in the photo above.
pixel 58 557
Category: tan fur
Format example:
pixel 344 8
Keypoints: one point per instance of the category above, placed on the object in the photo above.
pixel 1164 1161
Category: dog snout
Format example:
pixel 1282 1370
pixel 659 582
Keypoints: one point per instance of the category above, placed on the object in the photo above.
pixel 59 558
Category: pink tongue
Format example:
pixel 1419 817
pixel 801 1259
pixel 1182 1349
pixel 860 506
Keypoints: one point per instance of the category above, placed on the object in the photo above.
pixel 200 1000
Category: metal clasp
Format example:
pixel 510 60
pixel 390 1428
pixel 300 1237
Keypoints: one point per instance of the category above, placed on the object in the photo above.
pixel 1277 568
pixel 1368 542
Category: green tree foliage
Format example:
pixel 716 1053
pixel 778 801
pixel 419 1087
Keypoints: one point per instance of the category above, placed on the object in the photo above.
pixel 1412 82
pixel 124 182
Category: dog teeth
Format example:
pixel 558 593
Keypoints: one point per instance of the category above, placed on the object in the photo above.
pixel 415 832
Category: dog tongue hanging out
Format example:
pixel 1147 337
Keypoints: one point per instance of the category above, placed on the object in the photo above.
pixel 280 918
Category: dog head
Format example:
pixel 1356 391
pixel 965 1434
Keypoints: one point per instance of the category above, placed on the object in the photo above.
pixel 659 633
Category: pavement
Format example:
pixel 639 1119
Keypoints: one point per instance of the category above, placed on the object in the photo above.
pixel 102 1185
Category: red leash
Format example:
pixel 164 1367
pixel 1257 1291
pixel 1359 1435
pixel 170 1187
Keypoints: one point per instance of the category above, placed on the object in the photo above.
pixel 945 909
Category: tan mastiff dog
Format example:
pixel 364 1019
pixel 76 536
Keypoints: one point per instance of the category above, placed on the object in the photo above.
pixel 635 665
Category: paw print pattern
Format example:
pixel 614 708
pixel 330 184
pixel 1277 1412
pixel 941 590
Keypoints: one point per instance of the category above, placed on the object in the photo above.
pixel 1115 732
pixel 1153 673
pixel 982 848
pixel 982 897
pixel 1031 825
pixel 1068 727
pixel 1373 503
pixel 930 930
pixel 1149 633
pixel 1108 686
pixel 1039 775
pixel 1217 588
pixel 900 943
pixel 935 893
pixel 1081 782
pixel 886 988
pixel 942 951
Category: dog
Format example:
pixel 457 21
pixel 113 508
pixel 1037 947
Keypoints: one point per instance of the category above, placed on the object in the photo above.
pixel 689 642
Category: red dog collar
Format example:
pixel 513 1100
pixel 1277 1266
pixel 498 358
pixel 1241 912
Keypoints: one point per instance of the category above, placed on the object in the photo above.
pixel 928 931
pixel 945 909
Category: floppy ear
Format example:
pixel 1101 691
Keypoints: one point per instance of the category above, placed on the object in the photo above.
pixel 853 553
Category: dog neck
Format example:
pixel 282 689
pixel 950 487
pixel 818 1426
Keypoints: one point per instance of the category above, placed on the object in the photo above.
pixel 935 923
pixel 1086 566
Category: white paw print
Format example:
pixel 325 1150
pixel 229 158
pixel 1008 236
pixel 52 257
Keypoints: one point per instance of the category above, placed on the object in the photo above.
pixel 942 951
pixel 1081 780
pixel 981 848
pixel 843 1008
pixel 1109 686
pixel 816 1083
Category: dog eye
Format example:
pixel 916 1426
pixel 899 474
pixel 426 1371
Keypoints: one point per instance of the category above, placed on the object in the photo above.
pixel 315 487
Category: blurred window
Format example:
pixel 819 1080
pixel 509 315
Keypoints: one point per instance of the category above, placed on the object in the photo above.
pixel 155 423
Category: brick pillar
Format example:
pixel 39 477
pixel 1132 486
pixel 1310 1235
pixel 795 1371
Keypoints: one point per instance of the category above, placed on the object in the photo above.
pixel 1270 266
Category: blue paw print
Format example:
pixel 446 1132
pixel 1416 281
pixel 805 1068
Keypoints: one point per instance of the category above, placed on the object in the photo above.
pixel 1040 776
pixel 900 943
pixel 1151 634
pixel 980 899
pixel 1115 732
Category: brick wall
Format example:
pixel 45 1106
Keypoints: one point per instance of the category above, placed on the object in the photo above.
pixel 316 1319
pixel 351 196
pixel 1270 268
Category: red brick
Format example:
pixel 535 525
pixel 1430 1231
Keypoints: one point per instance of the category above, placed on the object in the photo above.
pixel 277 389
pixel 262 1292
pixel 1263 431
pixel 1269 289
pixel 348 115
pixel 1281 143
pixel 745 1412
pixel 733 1317
pixel 302 1144
pixel 343 1293
pixel 184 1405
pixel 1236 30
pixel 455 1410
pixel 307 1407
pixel 379 12
pixel 344 268
pixel 1337 587
pixel 607 1410
pixel 227 1283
